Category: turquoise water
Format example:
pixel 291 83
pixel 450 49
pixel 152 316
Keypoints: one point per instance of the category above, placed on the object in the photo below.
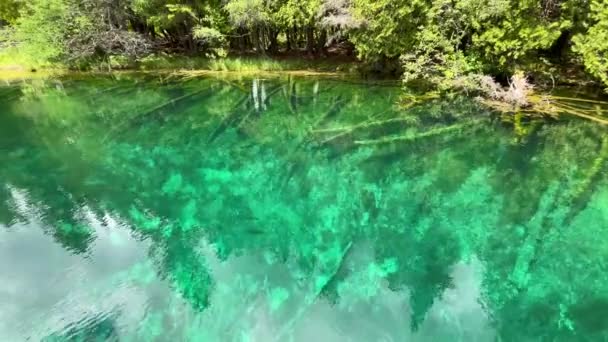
pixel 151 208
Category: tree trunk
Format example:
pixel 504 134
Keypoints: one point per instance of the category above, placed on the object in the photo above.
pixel 288 40
pixel 151 31
pixel 264 35
pixel 321 49
pixel 257 40
pixel 241 40
pixel 296 37
pixel 310 41
pixel 273 47
pixel 254 39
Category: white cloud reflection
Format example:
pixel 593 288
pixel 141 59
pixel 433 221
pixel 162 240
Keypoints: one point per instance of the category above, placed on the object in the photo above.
pixel 46 289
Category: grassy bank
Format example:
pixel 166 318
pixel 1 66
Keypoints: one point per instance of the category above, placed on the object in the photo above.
pixel 15 65
pixel 244 64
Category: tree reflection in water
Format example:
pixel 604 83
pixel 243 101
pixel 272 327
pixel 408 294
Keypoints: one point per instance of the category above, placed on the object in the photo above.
pixel 270 209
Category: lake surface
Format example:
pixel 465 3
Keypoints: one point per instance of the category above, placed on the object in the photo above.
pixel 151 208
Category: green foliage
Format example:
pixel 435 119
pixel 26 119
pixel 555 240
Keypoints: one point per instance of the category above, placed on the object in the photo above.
pixel 76 31
pixel 9 10
pixel 168 14
pixel 441 41
pixel 43 28
pixel 212 39
pixel 592 45
pixel 247 13
pixel 467 37
pixel 179 21
pixel 210 35
pixel 516 31
pixel 435 57
pixel 292 13
pixel 387 27
pixel 438 42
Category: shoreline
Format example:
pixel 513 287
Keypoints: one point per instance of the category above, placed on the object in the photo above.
pixel 11 75
pixel 194 66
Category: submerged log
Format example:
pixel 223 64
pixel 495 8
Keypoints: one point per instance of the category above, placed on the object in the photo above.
pixel 414 137
pixel 171 102
pixel 228 119
pixel 577 112
pixel 579 100
pixel 343 131
pixel 551 106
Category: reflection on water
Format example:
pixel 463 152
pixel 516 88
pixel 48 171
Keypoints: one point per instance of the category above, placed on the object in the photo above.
pixel 109 292
pixel 47 287
pixel 142 208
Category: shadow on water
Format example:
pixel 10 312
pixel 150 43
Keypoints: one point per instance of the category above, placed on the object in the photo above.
pixel 292 208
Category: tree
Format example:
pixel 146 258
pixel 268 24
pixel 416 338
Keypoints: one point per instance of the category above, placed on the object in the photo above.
pixel 44 27
pixel 9 11
pixel 185 25
pixel 592 45
pixel 507 34
pixel 387 27
pixel 251 15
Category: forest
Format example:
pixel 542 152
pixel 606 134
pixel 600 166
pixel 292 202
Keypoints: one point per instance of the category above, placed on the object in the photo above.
pixel 441 42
